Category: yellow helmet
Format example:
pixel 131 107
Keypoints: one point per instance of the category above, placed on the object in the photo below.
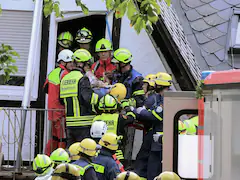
pixel 167 175
pixel 59 156
pixel 42 164
pixel 103 45
pixel 128 176
pixel 163 79
pixel 119 91
pixel 108 103
pixel 73 149
pixel 110 141
pixel 66 171
pixel 88 147
pixel 65 39
pixel 84 36
pixel 182 129
pixel 150 79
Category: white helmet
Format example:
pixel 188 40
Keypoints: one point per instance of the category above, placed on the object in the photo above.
pixel 98 129
pixel 65 55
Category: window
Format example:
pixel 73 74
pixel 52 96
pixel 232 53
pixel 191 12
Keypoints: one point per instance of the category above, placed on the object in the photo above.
pixel 238 32
pixel 15 30
pixel 234 41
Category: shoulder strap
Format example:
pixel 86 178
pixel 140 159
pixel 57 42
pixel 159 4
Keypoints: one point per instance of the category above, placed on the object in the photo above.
pixel 96 66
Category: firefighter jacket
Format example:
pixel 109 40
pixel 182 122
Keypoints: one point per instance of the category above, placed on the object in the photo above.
pixel 105 166
pixel 154 116
pixel 133 81
pixel 87 171
pixel 116 122
pixel 79 99
pixel 52 88
pixel 102 66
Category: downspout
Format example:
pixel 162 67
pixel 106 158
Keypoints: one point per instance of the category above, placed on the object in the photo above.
pixel 29 76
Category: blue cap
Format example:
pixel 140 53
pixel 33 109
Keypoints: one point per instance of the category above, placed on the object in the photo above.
pixel 205 74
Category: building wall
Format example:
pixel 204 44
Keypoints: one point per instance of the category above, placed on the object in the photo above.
pixel 145 57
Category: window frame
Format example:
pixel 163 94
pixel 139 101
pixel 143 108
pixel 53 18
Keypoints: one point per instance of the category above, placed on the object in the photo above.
pixel 234 29
pixel 15 93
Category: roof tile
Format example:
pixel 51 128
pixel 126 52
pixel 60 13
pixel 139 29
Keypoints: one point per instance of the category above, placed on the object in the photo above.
pixel 204 53
pixel 221 66
pixel 222 41
pixel 213 33
pixel 238 6
pixel 219 5
pixel 220 54
pixel 226 14
pixel 201 38
pixel 211 47
pixel 206 10
pixel 193 15
pixel 223 27
pixel 199 25
pixel 193 4
pixel 184 6
pixel 214 20
pixel 207 1
pixel 232 2
pixel 212 60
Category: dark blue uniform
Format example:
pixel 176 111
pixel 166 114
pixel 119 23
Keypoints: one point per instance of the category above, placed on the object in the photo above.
pixel 87 171
pixel 155 117
pixel 105 166
pixel 133 81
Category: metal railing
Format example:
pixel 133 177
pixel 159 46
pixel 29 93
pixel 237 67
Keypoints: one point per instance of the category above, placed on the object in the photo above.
pixel 36 135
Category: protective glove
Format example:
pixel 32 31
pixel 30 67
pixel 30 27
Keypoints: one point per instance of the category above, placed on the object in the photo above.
pixel 156 137
pixel 125 103
pixel 139 110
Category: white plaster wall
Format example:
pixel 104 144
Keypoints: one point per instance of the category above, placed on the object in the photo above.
pixel 146 59
pixel 93 5
pixel 25 5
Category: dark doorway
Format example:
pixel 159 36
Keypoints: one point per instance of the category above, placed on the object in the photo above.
pixel 95 23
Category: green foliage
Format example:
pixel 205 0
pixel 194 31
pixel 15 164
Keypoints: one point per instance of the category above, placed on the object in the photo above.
pixel 199 90
pixel 0 9
pixel 52 6
pixel 7 60
pixel 141 13
pixel 83 6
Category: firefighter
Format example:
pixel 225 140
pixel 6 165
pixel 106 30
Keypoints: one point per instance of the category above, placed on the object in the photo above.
pixel 150 103
pixel 98 129
pixel 182 129
pixel 56 112
pixel 128 176
pixel 87 150
pixel 104 164
pixel 84 39
pixel 128 76
pixel 42 166
pixel 167 175
pixel 103 67
pixel 66 171
pixel 65 40
pixel 109 107
pixel 59 156
pixel 192 124
pixel 163 82
pixel 79 99
pixel 149 84
pixel 73 152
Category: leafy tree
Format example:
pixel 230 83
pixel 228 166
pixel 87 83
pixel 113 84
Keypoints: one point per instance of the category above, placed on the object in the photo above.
pixel 7 60
pixel 141 13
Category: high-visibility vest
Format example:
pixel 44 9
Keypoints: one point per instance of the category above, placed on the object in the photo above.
pixel 111 120
pixel 69 89
pixel 83 166
pixel 120 165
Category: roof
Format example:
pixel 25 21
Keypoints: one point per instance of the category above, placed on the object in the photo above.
pixel 206 24
pixel 175 29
